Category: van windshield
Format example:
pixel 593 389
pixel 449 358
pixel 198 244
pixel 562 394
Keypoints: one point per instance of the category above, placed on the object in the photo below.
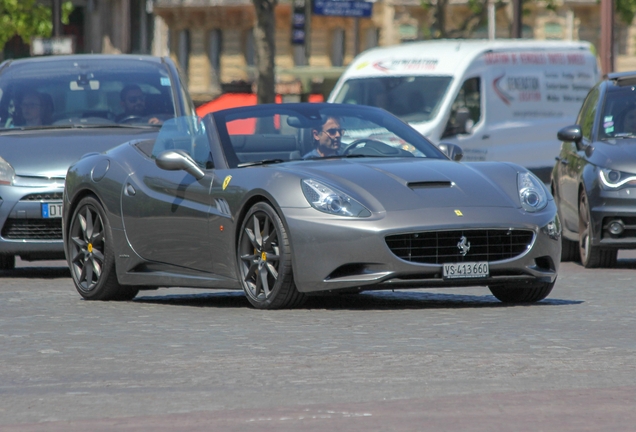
pixel 413 99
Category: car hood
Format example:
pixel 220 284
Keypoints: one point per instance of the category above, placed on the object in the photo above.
pixel 403 184
pixel 49 152
pixel 619 155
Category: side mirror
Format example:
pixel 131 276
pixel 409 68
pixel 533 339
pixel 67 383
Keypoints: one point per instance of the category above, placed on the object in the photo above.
pixel 453 151
pixel 174 160
pixel 571 134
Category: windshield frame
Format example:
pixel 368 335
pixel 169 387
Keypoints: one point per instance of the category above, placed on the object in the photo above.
pixel 85 90
pixel 311 114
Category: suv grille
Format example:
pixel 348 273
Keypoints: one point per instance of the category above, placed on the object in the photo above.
pixel 33 229
pixel 439 247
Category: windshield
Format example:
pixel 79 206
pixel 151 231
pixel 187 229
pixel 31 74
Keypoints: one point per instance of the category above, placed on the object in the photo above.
pixel 308 132
pixel 53 92
pixel 414 99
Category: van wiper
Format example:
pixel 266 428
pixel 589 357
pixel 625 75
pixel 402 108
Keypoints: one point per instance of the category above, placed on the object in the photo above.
pixel 260 162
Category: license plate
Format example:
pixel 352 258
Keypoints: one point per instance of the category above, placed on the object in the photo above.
pixel 51 210
pixel 467 270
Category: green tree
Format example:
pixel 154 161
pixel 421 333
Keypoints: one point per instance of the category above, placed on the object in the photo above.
pixel 27 19
pixel 626 9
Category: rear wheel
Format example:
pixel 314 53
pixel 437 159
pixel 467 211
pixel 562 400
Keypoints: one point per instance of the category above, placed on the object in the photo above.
pixel 264 260
pixel 90 254
pixel 7 262
pixel 591 256
pixel 522 293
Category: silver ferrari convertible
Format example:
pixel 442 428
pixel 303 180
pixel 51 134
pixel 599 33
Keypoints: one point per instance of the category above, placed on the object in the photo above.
pixel 290 200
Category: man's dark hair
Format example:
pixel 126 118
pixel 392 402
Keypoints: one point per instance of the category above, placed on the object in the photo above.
pixel 127 89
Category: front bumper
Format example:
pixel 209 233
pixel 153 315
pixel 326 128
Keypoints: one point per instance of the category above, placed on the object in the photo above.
pixel 338 253
pixel 614 206
pixel 23 229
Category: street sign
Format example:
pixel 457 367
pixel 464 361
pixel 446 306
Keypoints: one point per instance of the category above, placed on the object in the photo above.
pixel 344 8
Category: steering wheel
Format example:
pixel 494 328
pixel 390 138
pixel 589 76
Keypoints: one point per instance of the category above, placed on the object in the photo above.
pixel 376 146
pixel 130 119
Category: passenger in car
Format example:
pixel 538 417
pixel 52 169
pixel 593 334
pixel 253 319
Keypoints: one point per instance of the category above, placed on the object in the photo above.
pixel 34 109
pixel 133 100
pixel 327 139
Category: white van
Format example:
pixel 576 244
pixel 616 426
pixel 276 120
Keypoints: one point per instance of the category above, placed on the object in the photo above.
pixel 500 100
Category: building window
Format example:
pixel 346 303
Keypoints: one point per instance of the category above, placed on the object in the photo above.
pixel 250 51
pixel 215 47
pixel 372 37
pixel 184 50
pixel 338 47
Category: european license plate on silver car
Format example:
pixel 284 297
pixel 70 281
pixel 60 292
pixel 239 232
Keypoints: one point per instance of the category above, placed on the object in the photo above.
pixel 51 210
pixel 466 270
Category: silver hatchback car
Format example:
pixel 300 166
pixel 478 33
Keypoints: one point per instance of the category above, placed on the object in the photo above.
pixel 54 110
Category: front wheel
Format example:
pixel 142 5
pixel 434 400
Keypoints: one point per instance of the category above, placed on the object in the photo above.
pixel 7 262
pixel 522 293
pixel 90 256
pixel 264 260
pixel 591 256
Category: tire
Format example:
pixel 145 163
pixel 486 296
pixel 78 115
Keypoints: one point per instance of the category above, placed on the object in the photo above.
pixel 522 293
pixel 569 250
pixel 90 256
pixel 264 260
pixel 7 262
pixel 591 256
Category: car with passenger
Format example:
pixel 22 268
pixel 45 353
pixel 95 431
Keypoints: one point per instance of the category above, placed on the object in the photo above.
pixel 55 109
pixel 594 177
pixel 284 201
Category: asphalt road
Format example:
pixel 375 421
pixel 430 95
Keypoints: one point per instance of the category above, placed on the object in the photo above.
pixel 451 360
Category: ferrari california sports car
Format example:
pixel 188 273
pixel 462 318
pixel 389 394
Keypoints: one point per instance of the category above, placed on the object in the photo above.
pixel 55 109
pixel 288 200
pixel 594 177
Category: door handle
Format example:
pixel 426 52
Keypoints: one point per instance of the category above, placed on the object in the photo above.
pixel 485 136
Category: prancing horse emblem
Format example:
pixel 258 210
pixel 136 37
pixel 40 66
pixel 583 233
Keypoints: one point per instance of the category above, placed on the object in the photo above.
pixel 463 245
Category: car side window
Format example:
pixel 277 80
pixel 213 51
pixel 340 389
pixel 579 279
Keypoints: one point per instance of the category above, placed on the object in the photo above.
pixel 466 109
pixel 588 113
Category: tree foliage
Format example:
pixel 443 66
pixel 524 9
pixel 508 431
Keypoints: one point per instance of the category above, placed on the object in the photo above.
pixel 625 9
pixel 27 19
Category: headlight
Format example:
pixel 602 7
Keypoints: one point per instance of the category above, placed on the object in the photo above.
pixel 612 179
pixel 6 173
pixel 330 200
pixel 531 192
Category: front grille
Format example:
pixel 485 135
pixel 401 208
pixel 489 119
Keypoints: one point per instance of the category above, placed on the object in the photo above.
pixel 439 247
pixel 49 196
pixel 33 229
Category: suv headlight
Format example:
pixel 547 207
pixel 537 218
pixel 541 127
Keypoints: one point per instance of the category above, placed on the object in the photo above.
pixel 7 173
pixel 330 200
pixel 532 193
pixel 612 179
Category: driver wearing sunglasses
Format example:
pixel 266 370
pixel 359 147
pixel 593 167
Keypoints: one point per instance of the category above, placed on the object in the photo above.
pixel 327 139
pixel 133 100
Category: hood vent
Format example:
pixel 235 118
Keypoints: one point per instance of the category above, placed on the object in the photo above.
pixel 429 184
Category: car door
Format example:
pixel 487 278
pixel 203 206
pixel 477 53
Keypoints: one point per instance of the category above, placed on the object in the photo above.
pixel 573 160
pixel 166 213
